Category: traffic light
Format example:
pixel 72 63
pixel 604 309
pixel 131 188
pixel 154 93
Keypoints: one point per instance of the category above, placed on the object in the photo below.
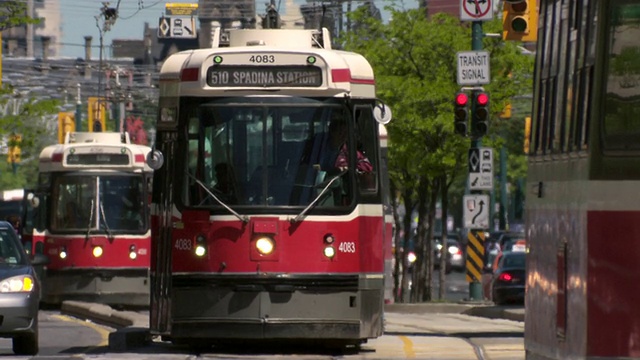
pixel 66 124
pixel 97 112
pixel 461 113
pixel 14 153
pixel 520 20
pixel 480 120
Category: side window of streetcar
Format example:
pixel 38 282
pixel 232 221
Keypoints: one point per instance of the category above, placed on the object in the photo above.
pixel 367 143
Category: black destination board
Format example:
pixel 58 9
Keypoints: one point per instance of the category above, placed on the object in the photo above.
pixel 261 76
pixel 97 159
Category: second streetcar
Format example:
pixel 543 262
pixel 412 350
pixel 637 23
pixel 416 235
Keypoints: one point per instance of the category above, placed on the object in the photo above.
pixel 92 219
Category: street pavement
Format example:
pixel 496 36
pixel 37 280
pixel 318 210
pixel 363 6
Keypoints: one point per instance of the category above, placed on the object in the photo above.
pixel 132 328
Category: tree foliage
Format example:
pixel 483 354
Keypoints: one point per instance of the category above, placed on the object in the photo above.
pixel 32 118
pixel 415 62
pixel 13 13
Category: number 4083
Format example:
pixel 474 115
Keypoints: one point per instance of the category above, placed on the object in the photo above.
pixel 347 247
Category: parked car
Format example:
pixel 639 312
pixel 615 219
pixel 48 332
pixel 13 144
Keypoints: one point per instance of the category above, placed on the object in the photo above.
pixel 508 281
pixel 508 239
pixel 19 292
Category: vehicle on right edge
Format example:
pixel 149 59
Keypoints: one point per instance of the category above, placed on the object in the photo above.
pixel 582 208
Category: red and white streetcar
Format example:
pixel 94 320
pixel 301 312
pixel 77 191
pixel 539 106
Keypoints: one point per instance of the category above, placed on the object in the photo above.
pixel 254 238
pixel 92 219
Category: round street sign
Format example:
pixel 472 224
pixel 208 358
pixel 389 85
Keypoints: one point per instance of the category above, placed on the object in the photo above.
pixel 476 10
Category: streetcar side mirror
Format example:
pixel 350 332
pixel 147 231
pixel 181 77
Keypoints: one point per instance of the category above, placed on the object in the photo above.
pixel 34 201
pixel 382 113
pixel 155 159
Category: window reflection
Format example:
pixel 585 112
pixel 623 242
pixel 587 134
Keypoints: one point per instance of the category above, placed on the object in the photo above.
pixel 108 203
pixel 267 152
pixel 622 101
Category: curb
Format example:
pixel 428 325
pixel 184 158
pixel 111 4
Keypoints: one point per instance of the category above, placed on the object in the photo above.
pixel 132 329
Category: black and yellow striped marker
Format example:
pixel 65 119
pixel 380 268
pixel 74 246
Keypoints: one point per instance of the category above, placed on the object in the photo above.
pixel 475 255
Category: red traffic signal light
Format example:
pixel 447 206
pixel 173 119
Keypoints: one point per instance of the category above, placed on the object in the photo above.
pixel 480 121
pixel 482 99
pixel 462 99
pixel 461 113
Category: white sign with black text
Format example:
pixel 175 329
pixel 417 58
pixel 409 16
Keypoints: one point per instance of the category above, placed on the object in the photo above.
pixel 473 68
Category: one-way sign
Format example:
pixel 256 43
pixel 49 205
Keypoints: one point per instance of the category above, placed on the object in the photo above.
pixel 481 168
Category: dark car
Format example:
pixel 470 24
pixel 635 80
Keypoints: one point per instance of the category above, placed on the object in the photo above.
pixel 19 293
pixel 508 281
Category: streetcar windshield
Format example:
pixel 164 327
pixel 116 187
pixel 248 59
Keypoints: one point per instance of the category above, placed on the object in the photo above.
pixel 102 203
pixel 266 151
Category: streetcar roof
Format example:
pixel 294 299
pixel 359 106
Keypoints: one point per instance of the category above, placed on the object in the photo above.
pixel 54 157
pixel 346 72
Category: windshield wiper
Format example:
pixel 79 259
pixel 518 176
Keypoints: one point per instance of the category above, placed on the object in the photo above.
pixel 244 219
pixel 90 220
pixel 317 198
pixel 104 219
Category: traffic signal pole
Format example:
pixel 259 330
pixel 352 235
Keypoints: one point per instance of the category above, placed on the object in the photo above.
pixel 475 287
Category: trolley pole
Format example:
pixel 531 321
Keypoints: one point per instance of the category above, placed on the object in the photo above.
pixel 78 111
pixel 475 285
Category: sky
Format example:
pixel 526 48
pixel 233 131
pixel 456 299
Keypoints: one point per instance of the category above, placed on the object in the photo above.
pixel 78 20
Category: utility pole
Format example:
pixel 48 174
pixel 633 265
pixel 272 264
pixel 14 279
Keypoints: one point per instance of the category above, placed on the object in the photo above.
pixel 109 16
pixel 473 71
pixel 475 286
pixel 78 111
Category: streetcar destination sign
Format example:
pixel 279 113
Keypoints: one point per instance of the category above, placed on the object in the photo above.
pixel 473 68
pixel 259 76
pixel 97 159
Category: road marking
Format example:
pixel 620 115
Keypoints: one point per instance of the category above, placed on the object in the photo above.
pixel 408 347
pixel 104 333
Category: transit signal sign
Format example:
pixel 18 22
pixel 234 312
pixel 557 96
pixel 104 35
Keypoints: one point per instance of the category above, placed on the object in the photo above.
pixel 473 68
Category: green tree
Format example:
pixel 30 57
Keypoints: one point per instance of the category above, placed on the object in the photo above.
pixel 13 13
pixel 414 59
pixel 32 118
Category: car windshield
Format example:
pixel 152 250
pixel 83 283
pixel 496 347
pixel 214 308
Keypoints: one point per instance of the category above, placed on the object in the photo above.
pixel 10 251
pixel 515 260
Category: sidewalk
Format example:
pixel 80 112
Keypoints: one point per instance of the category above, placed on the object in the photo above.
pixel 133 328
pixel 486 310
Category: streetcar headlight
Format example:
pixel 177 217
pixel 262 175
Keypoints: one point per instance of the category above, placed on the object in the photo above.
pixel 265 245
pixel 329 239
pixel 97 251
pixel 201 245
pixel 132 252
pixel 63 253
pixel 22 283
pixel 329 252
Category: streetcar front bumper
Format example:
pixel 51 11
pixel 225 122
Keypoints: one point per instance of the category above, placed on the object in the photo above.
pixel 346 308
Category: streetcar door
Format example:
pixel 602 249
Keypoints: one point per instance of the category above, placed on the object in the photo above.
pixel 161 238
